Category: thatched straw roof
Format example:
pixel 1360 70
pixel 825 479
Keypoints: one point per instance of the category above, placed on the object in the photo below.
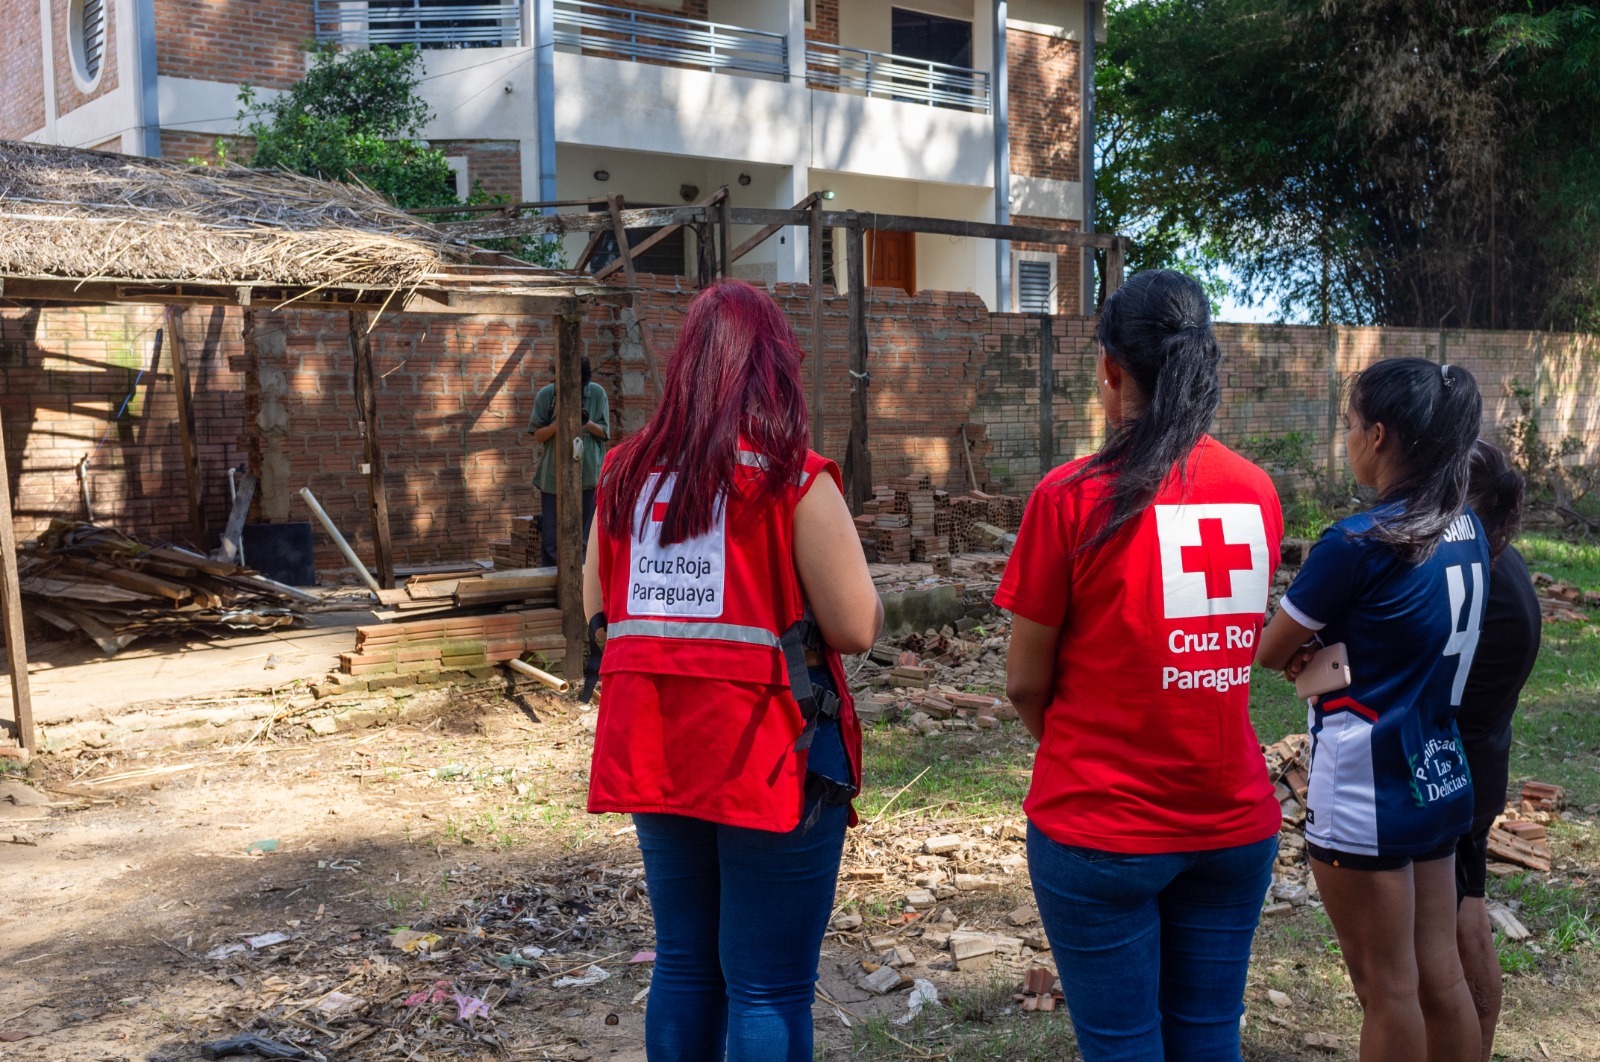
pixel 69 213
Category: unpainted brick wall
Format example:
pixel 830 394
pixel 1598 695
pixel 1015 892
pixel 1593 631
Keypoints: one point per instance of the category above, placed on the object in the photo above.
pixel 22 59
pixel 1044 119
pixel 454 395
pixel 259 42
pixel 493 165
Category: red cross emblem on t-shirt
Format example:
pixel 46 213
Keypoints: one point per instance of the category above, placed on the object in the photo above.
pixel 1214 559
pixel 658 512
pixel 1217 558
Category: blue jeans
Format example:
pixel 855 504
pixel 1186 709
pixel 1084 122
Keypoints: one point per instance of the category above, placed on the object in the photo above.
pixel 1152 949
pixel 740 916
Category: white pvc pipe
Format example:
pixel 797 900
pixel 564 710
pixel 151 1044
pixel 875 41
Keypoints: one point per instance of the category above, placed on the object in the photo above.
pixel 338 540
pixel 560 685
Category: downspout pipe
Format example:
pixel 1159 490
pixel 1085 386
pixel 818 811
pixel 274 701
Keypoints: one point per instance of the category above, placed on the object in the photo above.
pixel 544 56
pixel 1000 80
pixel 144 16
pixel 1086 135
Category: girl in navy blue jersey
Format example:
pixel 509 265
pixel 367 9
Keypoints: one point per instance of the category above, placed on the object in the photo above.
pixel 1403 586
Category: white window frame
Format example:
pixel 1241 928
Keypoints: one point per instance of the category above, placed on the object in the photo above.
pixel 810 7
pixel 458 166
pixel 1048 257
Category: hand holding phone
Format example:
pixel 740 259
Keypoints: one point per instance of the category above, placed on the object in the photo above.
pixel 1327 670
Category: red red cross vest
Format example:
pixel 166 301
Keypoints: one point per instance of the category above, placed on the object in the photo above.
pixel 696 717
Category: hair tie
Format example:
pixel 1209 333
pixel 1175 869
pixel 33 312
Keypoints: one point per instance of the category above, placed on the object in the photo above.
pixel 1444 373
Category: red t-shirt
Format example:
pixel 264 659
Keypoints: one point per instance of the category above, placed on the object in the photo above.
pixel 1148 745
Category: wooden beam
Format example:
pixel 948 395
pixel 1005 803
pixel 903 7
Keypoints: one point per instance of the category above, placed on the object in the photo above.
pixel 372 446
pixel 569 491
pixel 724 235
pixel 11 613
pixel 857 456
pixel 818 344
pixel 772 230
pixel 1047 393
pixel 683 216
pixel 232 547
pixel 624 253
pixel 653 217
pixel 588 251
pixel 1114 259
pixel 198 525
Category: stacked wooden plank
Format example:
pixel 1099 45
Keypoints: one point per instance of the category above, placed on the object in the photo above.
pixel 448 591
pixel 115 588
pixel 450 643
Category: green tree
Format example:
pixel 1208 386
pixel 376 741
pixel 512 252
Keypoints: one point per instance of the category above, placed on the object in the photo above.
pixel 355 117
pixel 1356 160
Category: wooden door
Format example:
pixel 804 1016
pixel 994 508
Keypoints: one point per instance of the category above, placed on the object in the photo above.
pixel 893 258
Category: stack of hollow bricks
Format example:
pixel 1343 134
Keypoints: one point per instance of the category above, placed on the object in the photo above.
pixel 453 643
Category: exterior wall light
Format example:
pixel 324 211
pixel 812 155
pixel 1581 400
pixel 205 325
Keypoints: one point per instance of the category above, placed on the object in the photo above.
pixel 827 193
pixel 602 175
pixel 744 178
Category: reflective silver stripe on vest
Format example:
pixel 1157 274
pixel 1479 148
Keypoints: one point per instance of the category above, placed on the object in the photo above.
pixel 755 460
pixel 720 632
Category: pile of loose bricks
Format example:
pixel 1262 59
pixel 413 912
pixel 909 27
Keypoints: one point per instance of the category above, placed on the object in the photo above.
pixel 454 643
pixel 908 520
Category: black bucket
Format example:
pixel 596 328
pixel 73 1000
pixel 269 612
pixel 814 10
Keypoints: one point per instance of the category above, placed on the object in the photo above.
pixel 281 552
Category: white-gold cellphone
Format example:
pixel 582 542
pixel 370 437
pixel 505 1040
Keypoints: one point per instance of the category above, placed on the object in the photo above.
pixel 1327 671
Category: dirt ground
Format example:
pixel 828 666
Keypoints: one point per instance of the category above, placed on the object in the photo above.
pixel 273 883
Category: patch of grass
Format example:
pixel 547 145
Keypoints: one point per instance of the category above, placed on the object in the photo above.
pixel 982 772
pixel 1274 709
pixel 1565 917
pixel 1556 732
pixel 976 1024
pixel 1577 563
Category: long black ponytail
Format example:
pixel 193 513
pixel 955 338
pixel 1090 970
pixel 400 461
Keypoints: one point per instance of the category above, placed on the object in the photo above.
pixel 1494 490
pixel 1157 327
pixel 1433 412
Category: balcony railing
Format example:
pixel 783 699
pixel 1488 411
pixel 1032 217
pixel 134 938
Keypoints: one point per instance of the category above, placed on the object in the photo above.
pixel 646 37
pixel 425 23
pixel 896 76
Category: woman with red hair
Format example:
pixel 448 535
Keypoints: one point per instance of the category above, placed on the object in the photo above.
pixel 729 578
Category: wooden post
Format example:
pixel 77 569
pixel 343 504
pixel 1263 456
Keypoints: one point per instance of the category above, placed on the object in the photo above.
pixel 191 448
pixel 857 457
pixel 11 612
pixel 1047 394
pixel 1116 251
pixel 818 345
pixel 371 446
pixel 725 235
pixel 621 232
pixel 1334 412
pixel 569 488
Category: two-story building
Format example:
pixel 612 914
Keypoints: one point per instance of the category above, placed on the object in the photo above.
pixel 964 109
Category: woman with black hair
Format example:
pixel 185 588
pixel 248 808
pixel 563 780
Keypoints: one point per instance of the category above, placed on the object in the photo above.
pixel 1402 585
pixel 1505 658
pixel 1138 584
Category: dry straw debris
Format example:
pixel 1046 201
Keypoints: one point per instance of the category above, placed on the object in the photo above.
pixel 70 213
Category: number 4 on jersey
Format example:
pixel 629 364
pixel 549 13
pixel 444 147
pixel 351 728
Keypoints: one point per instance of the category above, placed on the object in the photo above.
pixel 1464 628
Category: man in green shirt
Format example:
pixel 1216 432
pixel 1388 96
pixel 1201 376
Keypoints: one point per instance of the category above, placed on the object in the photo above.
pixel 596 420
